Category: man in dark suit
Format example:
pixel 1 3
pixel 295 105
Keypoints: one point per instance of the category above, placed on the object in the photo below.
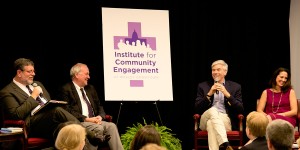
pixel 256 125
pixel 19 98
pixel 220 101
pixel 84 104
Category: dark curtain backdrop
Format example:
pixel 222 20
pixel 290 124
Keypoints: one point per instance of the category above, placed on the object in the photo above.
pixel 252 37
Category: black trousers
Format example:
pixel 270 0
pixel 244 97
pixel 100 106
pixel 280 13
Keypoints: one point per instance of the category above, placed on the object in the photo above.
pixel 45 122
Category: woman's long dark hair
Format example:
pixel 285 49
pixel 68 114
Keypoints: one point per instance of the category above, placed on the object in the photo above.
pixel 287 84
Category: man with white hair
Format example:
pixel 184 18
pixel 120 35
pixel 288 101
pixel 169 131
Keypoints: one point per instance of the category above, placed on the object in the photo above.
pixel 220 101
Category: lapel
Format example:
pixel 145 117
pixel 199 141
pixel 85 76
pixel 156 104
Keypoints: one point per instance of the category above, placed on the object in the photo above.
pixel 228 87
pixel 76 96
pixel 18 90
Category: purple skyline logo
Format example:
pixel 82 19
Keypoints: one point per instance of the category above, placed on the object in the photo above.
pixel 134 39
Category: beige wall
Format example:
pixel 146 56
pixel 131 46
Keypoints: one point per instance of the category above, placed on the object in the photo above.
pixel 295 44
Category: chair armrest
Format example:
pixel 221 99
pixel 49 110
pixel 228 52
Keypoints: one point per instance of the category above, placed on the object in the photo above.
pixel 196 121
pixel 241 117
pixel 108 118
pixel 196 116
pixel 17 123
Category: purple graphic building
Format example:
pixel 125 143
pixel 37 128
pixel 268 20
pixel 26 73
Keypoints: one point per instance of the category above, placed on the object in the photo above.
pixel 134 36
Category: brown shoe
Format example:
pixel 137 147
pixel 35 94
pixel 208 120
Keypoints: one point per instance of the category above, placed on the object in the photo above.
pixel 225 146
pixel 229 148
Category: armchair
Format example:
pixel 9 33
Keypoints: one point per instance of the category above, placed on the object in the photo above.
pixel 34 143
pixel 27 142
pixel 200 137
pixel 108 118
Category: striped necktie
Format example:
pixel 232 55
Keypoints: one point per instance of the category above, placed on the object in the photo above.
pixel 89 106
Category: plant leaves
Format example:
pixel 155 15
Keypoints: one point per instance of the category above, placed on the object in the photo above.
pixel 168 139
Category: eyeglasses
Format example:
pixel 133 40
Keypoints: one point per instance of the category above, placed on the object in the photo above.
pixel 29 71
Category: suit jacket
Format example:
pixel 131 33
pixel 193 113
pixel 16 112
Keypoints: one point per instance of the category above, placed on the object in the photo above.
pixel 17 104
pixel 259 143
pixel 235 100
pixel 69 93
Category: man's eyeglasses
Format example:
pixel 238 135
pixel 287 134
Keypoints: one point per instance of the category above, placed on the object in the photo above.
pixel 29 71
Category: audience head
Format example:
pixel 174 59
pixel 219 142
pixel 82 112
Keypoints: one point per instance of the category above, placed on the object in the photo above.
pixel 280 135
pixel 276 75
pixel 256 124
pixel 60 126
pixel 152 146
pixel 298 143
pixel 71 137
pixel 146 134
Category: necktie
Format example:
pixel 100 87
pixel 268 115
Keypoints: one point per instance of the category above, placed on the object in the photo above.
pixel 89 106
pixel 38 98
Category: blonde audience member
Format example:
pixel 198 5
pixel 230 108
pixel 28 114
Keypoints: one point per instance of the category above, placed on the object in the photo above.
pixel 152 146
pixel 298 143
pixel 256 125
pixel 146 134
pixel 71 137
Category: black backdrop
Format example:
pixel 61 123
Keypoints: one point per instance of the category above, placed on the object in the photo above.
pixel 252 37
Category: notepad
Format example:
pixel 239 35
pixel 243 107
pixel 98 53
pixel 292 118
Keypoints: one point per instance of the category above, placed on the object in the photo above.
pixel 49 103
pixel 11 130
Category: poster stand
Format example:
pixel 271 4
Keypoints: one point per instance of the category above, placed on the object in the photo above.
pixel 156 106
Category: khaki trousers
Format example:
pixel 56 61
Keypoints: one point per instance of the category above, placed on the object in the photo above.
pixel 216 124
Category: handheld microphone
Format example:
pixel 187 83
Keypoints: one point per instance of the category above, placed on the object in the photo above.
pixel 217 91
pixel 35 85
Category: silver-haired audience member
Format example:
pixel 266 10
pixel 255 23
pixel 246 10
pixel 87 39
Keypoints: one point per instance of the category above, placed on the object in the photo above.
pixel 280 135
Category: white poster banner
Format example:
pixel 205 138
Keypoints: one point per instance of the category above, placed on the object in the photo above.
pixel 136 55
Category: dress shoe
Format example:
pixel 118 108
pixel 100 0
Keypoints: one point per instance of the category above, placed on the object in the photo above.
pixel 225 146
pixel 229 148
pixel 99 139
pixel 103 138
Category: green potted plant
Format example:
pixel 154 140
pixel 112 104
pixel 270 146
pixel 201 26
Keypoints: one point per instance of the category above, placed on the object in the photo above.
pixel 168 139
